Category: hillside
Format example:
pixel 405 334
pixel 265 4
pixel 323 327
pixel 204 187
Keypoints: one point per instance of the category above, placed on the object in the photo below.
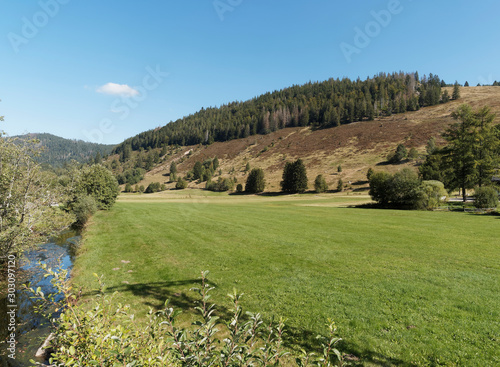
pixel 56 150
pixel 356 146
pixel 320 104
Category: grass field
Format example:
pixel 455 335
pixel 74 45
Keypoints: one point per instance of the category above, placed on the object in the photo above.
pixel 405 287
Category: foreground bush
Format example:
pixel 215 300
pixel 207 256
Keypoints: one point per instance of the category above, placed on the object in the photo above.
pixel 108 335
pixel 485 197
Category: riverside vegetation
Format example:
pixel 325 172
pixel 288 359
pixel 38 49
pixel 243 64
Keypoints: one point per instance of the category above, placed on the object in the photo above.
pixel 108 335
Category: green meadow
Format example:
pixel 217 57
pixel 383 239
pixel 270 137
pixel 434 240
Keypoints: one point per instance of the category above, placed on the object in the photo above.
pixel 404 287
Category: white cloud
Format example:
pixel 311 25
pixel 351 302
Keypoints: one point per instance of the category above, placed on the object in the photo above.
pixel 118 90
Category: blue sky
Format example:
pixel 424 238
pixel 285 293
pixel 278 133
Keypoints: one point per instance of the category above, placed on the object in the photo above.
pixel 106 70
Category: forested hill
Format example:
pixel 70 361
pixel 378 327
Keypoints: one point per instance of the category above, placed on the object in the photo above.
pixel 320 104
pixel 56 150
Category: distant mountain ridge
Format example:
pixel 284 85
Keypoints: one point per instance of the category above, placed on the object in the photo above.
pixel 58 151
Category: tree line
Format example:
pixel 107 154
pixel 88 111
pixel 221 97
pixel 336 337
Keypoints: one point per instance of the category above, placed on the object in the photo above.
pixel 469 160
pixel 319 105
pixel 472 154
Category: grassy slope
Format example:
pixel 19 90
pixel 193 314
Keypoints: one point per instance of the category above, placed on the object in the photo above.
pixel 356 146
pixel 404 287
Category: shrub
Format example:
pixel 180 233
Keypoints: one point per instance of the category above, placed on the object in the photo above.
pixel 131 176
pixel 84 207
pixel 225 184
pixel 153 187
pixel 403 190
pixel 400 154
pixel 369 173
pixel 106 335
pixel 485 197
pixel 97 181
pixel 128 188
pixel 413 154
pixel 206 176
pixel 340 185
pixel 141 189
pixel 181 184
pixel 198 171
pixel 255 181
pixel 239 188
pixel 320 184
pixel 432 193
pixel 379 187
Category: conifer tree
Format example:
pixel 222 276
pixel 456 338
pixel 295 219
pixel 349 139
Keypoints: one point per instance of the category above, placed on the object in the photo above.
pixel 173 168
pixel 456 91
pixel 198 171
pixel 294 177
pixel 472 148
pixel 320 184
pixel 255 181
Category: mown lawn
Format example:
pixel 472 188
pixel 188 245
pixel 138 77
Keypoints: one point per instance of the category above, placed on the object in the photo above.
pixel 405 287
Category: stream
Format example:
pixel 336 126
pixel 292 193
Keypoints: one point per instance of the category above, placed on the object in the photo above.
pixel 31 328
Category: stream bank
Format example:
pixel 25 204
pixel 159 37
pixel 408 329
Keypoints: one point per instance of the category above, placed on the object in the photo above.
pixel 32 329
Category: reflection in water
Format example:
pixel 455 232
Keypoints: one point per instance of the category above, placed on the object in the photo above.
pixel 32 329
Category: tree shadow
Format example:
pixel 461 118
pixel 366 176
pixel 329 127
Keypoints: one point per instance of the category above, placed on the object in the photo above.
pixel 154 295
pixel 297 339
pixel 274 193
pixel 360 182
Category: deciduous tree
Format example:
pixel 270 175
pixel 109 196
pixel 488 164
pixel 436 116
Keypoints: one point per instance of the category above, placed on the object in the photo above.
pixel 29 198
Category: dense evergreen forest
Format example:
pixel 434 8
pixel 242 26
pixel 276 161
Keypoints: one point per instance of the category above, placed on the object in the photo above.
pixel 319 105
pixel 56 150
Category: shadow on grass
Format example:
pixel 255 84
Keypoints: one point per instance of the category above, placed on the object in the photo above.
pixel 155 294
pixel 297 339
pixel 274 193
